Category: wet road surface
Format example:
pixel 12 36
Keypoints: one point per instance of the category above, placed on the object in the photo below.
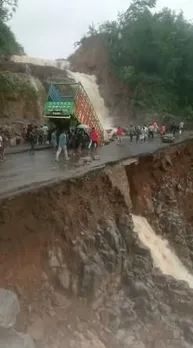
pixel 21 171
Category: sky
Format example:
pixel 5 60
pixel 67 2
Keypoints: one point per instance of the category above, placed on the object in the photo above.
pixel 48 29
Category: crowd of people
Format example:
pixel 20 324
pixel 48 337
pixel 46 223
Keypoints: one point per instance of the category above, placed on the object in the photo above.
pixel 145 132
pixel 68 141
pixel 74 140
pixel 35 135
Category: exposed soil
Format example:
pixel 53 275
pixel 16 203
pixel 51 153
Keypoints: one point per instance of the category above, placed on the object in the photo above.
pixel 82 276
pixel 163 192
pixel 92 58
pixel 65 216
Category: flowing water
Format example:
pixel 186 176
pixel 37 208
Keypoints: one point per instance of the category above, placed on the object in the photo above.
pixel 163 256
pixel 90 85
pixel 56 63
pixel 36 85
pixel 88 81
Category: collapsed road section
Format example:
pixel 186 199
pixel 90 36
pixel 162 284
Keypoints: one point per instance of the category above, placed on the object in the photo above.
pixel 75 258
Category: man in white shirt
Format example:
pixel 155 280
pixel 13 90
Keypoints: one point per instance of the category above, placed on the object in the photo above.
pixel 181 127
pixel 45 133
pixel 151 131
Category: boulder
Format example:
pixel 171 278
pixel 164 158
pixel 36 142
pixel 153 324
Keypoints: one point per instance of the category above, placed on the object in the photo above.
pixel 9 308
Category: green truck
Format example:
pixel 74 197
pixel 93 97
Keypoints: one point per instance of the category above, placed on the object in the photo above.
pixel 70 101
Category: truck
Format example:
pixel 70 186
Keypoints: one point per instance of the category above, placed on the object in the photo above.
pixel 70 101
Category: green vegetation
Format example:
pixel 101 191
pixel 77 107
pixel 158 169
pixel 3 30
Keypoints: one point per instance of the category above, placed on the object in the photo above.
pixel 8 42
pixel 152 52
pixel 18 85
pixel 7 8
pixel 15 83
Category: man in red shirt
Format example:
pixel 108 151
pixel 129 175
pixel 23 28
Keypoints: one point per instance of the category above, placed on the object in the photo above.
pixel 120 133
pixel 163 130
pixel 94 138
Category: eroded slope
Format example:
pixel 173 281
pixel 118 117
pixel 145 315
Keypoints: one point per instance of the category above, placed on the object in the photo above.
pixel 81 273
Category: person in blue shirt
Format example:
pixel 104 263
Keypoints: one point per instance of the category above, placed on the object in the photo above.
pixel 62 146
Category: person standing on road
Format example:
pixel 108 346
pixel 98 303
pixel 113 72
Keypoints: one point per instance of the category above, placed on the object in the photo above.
pixel 137 133
pixel 163 130
pixel 40 136
pixel 62 146
pixel 1 148
pixel 32 141
pixel 45 133
pixel 151 131
pixel 131 133
pixel 120 133
pixel 94 139
pixel 54 139
pixel 5 141
pixel 145 132
pixel 181 127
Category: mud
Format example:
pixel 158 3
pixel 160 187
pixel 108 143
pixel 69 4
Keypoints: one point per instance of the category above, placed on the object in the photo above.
pixel 163 193
pixel 69 252
pixel 92 58
pixel 32 222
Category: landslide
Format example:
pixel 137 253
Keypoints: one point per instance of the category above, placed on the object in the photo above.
pixel 92 58
pixel 163 192
pixel 70 252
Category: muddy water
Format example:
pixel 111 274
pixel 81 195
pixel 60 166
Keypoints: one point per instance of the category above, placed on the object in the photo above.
pixel 162 254
pixel 90 85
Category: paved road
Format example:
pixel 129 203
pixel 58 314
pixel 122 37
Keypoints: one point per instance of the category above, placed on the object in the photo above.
pixel 21 171
pixel 24 148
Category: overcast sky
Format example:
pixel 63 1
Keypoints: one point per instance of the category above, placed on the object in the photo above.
pixel 48 29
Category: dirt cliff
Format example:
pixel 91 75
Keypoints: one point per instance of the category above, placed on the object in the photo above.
pixel 83 277
pixel 92 58
pixel 163 192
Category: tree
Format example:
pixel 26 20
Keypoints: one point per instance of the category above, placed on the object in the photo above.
pixel 152 52
pixel 8 42
pixel 7 8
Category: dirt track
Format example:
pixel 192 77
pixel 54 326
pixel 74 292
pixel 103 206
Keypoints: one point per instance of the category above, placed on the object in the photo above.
pixel 23 171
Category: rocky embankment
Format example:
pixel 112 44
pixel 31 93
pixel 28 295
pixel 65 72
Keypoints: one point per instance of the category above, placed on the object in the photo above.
pixel 82 276
pixel 23 90
pixel 163 192
pixel 24 86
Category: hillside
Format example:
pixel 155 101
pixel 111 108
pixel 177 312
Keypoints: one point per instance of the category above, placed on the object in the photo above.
pixel 92 58
pixel 23 89
pixel 141 75
pixel 89 273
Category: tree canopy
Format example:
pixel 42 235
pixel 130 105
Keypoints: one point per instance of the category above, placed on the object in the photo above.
pixel 7 8
pixel 152 52
pixel 8 42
